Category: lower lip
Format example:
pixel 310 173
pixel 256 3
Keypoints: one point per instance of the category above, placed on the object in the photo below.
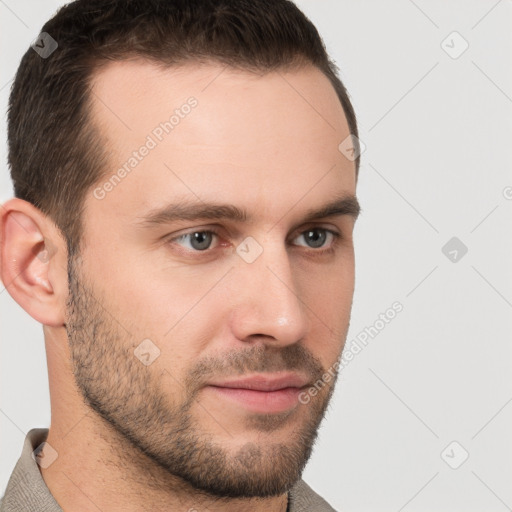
pixel 261 401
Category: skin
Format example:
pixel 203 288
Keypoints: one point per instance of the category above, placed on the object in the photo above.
pixel 253 142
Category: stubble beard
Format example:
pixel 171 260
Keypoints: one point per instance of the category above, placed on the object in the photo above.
pixel 130 399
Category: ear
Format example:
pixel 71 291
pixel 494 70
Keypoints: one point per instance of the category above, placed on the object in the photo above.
pixel 33 261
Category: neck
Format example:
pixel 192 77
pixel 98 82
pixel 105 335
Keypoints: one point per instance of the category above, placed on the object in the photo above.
pixel 97 470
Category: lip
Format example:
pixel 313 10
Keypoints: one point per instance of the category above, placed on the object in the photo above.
pixel 262 394
pixel 265 382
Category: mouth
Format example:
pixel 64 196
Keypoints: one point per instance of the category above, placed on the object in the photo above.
pixel 262 393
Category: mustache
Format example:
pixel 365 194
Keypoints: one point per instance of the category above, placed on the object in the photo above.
pixel 256 359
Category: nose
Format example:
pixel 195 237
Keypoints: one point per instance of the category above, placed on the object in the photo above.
pixel 267 305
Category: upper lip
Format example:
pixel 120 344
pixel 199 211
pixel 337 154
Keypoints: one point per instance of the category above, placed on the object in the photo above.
pixel 264 382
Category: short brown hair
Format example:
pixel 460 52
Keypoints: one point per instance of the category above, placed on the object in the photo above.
pixel 56 155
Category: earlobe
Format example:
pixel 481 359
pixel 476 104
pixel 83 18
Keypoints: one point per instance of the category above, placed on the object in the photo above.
pixel 26 255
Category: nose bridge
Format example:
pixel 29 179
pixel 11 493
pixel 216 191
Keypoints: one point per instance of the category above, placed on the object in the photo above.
pixel 269 302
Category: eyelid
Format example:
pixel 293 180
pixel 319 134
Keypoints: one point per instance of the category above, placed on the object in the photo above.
pixel 173 237
pixel 215 232
pixel 313 228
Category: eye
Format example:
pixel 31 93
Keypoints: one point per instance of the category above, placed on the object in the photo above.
pixel 316 238
pixel 196 240
pixel 204 239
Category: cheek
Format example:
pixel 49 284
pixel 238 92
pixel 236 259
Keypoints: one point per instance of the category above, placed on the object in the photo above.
pixel 328 295
pixel 174 308
pixel 328 289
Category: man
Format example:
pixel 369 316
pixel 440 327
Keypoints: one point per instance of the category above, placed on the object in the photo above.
pixel 182 228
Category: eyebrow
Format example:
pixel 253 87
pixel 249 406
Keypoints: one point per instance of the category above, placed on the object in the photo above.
pixel 187 211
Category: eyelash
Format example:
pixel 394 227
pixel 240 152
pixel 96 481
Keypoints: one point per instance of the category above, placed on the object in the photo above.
pixel 320 251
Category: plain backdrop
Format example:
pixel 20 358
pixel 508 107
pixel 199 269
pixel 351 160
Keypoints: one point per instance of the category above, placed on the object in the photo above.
pixel 421 418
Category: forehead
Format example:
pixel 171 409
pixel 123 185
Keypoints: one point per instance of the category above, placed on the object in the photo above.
pixel 213 132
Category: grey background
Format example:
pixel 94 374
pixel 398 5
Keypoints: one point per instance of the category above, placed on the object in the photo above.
pixel 437 164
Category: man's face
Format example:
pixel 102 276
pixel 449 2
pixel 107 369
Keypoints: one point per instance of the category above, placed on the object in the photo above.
pixel 234 327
